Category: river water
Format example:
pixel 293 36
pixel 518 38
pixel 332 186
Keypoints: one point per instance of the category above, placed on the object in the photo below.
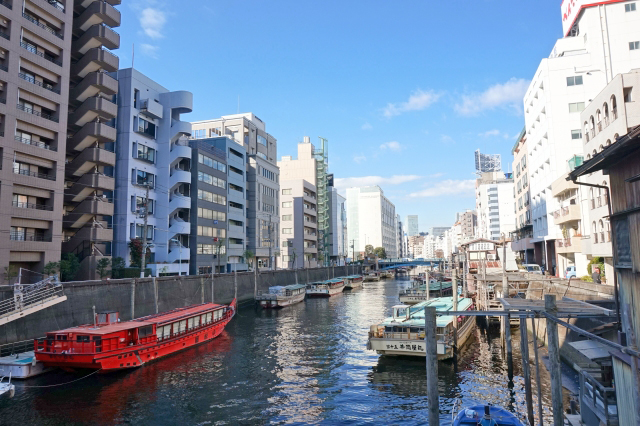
pixel 307 363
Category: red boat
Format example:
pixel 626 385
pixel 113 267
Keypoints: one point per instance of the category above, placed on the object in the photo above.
pixel 109 344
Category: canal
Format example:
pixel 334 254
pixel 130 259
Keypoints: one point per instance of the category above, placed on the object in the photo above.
pixel 307 363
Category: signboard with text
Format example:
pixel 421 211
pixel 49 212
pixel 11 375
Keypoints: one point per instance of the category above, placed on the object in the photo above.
pixel 484 246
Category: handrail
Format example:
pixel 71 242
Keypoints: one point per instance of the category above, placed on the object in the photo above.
pixel 39 144
pixel 6 4
pixel 30 48
pixel 34 174
pixel 32 206
pixel 41 25
pixel 4 35
pixel 37 113
pixel 28 236
pixel 37 83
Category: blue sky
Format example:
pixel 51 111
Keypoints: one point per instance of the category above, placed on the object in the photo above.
pixel 404 91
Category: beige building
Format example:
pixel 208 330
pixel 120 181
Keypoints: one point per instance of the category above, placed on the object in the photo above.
pixel 299 224
pixel 522 235
pixel 35 62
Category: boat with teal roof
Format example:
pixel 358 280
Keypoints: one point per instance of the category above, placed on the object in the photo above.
pixel 418 292
pixel 403 332
pixel 353 281
pixel 325 288
pixel 280 296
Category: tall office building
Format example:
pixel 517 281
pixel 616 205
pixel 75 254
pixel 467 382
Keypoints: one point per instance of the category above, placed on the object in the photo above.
pixel 400 238
pixel 338 229
pixel 153 154
pixel 413 227
pixel 262 178
pixel 35 62
pixel 600 41
pixel 371 220
pixel 438 231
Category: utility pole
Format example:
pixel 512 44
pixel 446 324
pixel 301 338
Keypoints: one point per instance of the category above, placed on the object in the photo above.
pixel 143 262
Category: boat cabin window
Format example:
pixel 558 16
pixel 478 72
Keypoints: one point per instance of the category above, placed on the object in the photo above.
pixel 196 321
pixel 416 329
pixel 163 332
pixel 82 338
pixel 388 329
pixel 400 312
pixel 209 317
pixel 145 331
pixel 216 315
pixel 190 323
pixel 61 337
pixel 182 326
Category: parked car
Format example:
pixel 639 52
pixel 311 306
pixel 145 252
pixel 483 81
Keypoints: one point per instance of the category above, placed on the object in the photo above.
pixel 570 272
pixel 533 268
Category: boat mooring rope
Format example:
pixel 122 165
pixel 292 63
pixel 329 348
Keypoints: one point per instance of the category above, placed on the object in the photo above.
pixel 60 384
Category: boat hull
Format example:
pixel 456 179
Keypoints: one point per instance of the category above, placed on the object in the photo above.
pixel 417 347
pixel 324 292
pixel 352 285
pixel 368 278
pixel 281 301
pixel 135 356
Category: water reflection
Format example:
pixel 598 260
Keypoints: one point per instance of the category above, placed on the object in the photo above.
pixel 307 363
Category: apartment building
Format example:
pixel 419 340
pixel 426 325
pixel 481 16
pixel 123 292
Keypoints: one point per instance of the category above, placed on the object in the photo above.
pixel 522 234
pixel 35 62
pixel 468 224
pixel 153 154
pixel 371 219
pixel 494 205
pixel 299 218
pixel 338 230
pixel 262 179
pixel 416 246
pixel 600 42
pixel 413 227
pixel 402 252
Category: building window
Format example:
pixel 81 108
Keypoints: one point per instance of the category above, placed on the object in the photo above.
pixel 630 7
pixel 146 127
pixel 146 154
pixel 138 205
pixel 287 230
pixel 210 162
pixel 269 175
pixel 199 134
pixel 236 205
pixel 286 191
pixel 235 222
pixel 286 204
pixel 236 170
pixel 576 134
pixel 261 155
pixel 238 241
pixel 576 107
pixel 634 45
pixel 287 217
pixel 136 96
pixel 211 214
pixel 138 231
pixel 211 249
pixel 627 94
pixel 574 81
pixel 236 188
pixel 144 178
pixel 236 153
pixel 211 197
pixel 287 243
pixel 208 231
pixel 286 258
pixel 262 140
pixel 212 180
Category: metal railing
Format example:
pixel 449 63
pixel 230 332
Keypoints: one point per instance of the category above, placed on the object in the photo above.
pixel 16 348
pixel 6 4
pixel 27 296
pixel 32 80
pixel 41 25
pixel 56 4
pixel 34 174
pixel 32 48
pixel 29 236
pixel 4 35
pixel 39 144
pixel 599 398
pixel 37 113
pixel 32 206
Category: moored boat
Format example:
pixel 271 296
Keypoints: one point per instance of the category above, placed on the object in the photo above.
pixel 419 293
pixel 403 332
pixel 109 344
pixel 485 415
pixel 326 288
pixel 280 296
pixel 353 281
pixel 386 274
pixel 372 276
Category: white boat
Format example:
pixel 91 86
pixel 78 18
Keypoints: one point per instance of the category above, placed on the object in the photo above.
pixel 403 333
pixel 281 296
pixel 7 387
pixel 372 276
pixel 353 281
pixel 326 288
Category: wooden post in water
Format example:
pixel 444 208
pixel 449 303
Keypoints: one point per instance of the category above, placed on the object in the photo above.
pixel 554 360
pixel 631 343
pixel 507 340
pixel 133 298
pixel 201 289
pixel 538 384
pixel 454 288
pixel 526 372
pixel 255 280
pixel 212 288
pixel 155 292
pixel 431 347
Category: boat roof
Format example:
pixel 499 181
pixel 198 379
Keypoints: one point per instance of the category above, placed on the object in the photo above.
pixel 335 280
pixel 180 313
pixel 102 329
pixel 294 286
pixel 416 312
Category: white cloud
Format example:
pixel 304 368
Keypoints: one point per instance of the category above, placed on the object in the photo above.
pixel 494 132
pixel 447 187
pixel 367 126
pixel 152 22
pixel 391 146
pixel 499 95
pixel 150 50
pixel 446 139
pixel 343 183
pixel 418 101
pixel 436 175
pixel 359 158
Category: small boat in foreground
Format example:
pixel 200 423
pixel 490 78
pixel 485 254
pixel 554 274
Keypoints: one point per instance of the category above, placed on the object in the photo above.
pixel 326 288
pixel 353 281
pixel 7 387
pixel 281 296
pixel 109 344
pixel 403 333
pixel 486 415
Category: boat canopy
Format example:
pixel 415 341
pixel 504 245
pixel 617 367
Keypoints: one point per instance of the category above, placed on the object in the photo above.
pixel 416 312
pixel 294 286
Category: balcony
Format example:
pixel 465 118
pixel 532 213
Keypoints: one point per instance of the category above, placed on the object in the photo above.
pixel 91 133
pixel 4 34
pixel 179 176
pixel 151 108
pixel 179 129
pixel 29 236
pixel 6 4
pixel 91 234
pixel 95 37
pixel 87 185
pixel 179 227
pixel 45 27
pixel 93 108
pixel 95 60
pixel 41 207
pixel 85 3
pixel 34 174
pixel 56 5
pixel 32 111
pixel 33 49
pixel 570 213
pixel 98 12
pixel 569 245
pixel 94 83
pixel 179 202
pixel 179 151
pixel 39 144
pixel 88 159
pixel 87 210
pixel 32 80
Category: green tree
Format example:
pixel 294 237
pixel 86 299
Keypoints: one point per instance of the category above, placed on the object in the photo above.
pixel 368 249
pixel 380 252
pixel 248 256
pixel 10 273
pixel 117 267
pixel 51 268
pixel 103 266
pixel 69 267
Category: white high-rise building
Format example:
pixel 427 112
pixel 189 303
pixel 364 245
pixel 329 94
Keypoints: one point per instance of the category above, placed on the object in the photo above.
pixel 371 220
pixel 412 225
pixel 494 205
pixel 601 41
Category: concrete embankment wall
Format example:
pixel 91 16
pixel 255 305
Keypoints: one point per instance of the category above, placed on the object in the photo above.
pixel 601 295
pixel 134 298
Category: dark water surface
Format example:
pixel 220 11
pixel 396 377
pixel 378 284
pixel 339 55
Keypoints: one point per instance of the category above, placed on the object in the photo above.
pixel 307 363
